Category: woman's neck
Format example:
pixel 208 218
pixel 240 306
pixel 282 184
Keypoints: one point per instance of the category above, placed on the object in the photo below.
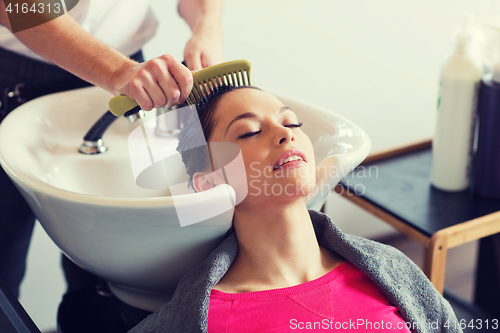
pixel 277 248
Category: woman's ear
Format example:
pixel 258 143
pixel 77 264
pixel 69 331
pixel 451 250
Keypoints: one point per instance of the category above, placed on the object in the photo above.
pixel 203 181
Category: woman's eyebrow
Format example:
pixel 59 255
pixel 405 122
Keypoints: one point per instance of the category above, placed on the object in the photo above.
pixel 241 116
pixel 252 115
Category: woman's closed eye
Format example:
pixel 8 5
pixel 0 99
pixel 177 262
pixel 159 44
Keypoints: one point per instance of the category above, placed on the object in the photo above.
pixel 250 134
pixel 294 125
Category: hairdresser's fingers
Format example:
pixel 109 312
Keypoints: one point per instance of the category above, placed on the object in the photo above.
pixel 193 58
pixel 147 78
pixel 204 48
pixel 158 96
pixel 140 95
pixel 171 89
pixel 161 86
pixel 205 62
pixel 183 80
pixel 142 82
pixel 211 56
pixel 136 89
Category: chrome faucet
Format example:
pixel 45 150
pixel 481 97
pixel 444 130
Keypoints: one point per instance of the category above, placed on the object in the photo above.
pixel 170 124
pixel 92 141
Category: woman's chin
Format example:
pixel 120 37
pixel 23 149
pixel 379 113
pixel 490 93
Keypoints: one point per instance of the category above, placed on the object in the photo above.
pixel 287 189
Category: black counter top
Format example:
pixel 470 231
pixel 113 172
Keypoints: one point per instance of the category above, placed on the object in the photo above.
pixel 401 186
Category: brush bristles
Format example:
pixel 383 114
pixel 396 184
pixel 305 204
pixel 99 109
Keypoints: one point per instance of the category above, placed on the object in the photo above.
pixel 201 90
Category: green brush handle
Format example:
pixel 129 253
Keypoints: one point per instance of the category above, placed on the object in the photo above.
pixel 119 105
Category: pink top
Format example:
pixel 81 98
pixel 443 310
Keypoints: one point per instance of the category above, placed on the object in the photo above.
pixel 344 299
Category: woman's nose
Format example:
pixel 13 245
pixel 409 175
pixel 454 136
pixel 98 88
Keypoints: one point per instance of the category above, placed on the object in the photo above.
pixel 284 135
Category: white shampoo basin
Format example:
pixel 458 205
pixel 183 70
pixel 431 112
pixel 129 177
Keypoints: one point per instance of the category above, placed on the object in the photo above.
pixel 92 208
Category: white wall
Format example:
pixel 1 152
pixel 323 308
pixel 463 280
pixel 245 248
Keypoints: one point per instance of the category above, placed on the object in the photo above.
pixel 374 61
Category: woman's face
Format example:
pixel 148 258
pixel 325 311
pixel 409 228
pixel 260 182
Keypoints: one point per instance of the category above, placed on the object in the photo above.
pixel 278 156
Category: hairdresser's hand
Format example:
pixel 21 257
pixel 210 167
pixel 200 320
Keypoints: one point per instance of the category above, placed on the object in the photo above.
pixel 204 48
pixel 155 83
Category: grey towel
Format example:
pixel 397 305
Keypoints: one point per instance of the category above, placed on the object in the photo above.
pixel 420 304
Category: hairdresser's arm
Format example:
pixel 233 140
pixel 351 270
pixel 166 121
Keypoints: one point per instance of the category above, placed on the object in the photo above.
pixel 63 42
pixel 205 46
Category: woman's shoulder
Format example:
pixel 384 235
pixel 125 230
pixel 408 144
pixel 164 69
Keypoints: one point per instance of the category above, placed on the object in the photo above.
pixel 401 280
pixel 383 264
pixel 330 236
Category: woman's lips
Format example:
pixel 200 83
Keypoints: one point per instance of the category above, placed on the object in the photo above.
pixel 290 158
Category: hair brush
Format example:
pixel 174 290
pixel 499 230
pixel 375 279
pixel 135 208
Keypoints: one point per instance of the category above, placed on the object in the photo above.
pixel 231 73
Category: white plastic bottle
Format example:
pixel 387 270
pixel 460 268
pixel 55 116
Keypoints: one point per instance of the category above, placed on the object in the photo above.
pixel 452 143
